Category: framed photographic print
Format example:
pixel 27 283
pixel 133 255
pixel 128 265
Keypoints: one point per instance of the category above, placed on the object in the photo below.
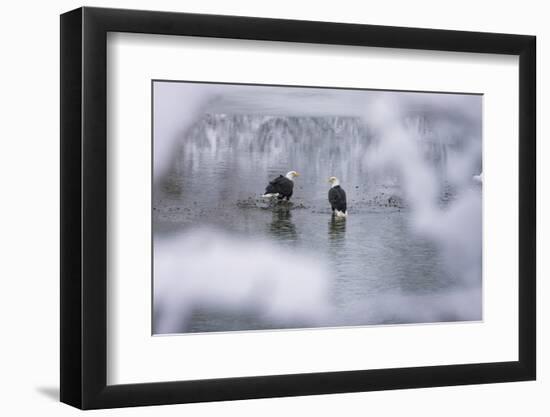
pixel 258 207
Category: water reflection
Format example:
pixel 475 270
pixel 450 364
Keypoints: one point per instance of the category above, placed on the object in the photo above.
pixel 336 229
pixel 282 226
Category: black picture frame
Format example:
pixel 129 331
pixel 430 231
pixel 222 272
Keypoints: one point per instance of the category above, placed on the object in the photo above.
pixel 84 207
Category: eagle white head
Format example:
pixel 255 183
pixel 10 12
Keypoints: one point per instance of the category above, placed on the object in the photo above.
pixel 478 178
pixel 291 175
pixel 333 181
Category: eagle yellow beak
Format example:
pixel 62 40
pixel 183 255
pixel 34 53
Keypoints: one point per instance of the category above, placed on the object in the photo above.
pixel 296 174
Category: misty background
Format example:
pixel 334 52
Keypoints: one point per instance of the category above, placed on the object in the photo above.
pixel 225 259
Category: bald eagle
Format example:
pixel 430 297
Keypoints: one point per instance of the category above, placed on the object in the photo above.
pixel 281 187
pixel 337 198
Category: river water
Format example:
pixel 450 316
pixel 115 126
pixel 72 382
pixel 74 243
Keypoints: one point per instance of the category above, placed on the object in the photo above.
pixel 379 270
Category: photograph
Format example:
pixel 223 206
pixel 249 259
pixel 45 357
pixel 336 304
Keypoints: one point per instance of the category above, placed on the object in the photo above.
pixel 298 207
